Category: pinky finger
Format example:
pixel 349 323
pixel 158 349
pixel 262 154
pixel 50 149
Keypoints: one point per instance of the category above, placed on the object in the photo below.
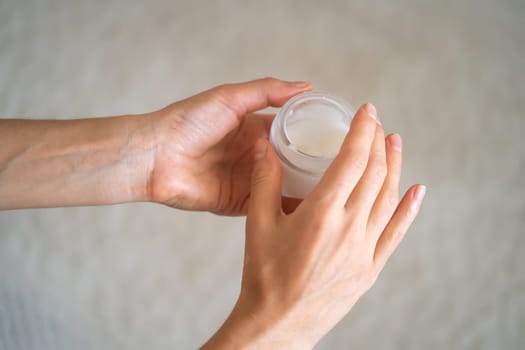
pixel 398 225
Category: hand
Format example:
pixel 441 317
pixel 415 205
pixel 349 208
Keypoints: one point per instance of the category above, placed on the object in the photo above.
pixel 304 271
pixel 204 160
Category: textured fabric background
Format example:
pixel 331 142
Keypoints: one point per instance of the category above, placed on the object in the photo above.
pixel 448 75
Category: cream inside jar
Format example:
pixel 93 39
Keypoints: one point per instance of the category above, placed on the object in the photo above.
pixel 307 134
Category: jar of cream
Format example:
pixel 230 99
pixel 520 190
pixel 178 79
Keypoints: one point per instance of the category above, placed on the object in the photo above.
pixel 307 134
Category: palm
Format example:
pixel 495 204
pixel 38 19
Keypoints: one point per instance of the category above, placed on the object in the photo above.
pixel 208 167
pixel 205 157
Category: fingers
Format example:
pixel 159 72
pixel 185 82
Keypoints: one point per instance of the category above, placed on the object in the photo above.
pixel 399 223
pixel 265 194
pixel 253 95
pixel 388 198
pixel 349 165
pixel 267 120
pixel 365 193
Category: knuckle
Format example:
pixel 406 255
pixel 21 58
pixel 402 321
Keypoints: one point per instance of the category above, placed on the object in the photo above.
pixel 380 161
pixel 260 174
pixel 358 162
pixel 379 172
pixel 268 80
pixel 380 137
pixel 224 93
pixel 370 126
pixel 354 226
pixel 230 98
pixel 324 213
pixel 391 199
pixel 327 204
pixel 378 156
pixel 223 89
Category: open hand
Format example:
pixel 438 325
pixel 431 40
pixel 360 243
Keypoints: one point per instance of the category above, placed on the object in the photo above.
pixel 204 156
pixel 305 270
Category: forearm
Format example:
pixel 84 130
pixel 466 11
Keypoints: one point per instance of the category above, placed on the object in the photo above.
pixel 52 163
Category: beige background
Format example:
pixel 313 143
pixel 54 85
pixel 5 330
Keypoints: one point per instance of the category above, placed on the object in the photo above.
pixel 448 75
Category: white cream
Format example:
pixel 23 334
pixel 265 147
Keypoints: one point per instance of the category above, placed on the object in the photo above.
pixel 316 137
pixel 307 134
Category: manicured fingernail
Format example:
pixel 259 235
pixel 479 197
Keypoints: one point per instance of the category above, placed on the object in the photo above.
pixel 260 149
pixel 420 193
pixel 300 84
pixel 395 142
pixel 417 197
pixel 372 112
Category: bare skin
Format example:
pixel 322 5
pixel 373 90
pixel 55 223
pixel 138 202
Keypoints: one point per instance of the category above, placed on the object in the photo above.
pixel 195 154
pixel 306 263
pixel 305 270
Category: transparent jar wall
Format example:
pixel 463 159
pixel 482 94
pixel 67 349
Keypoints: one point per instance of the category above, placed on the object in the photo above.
pixel 296 184
pixel 307 134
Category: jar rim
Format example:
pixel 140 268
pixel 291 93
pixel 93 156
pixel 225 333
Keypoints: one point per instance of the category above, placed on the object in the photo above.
pixel 326 98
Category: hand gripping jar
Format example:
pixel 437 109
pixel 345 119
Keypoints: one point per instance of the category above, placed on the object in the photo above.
pixel 307 134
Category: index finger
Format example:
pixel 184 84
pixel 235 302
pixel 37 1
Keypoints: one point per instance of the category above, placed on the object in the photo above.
pixel 349 165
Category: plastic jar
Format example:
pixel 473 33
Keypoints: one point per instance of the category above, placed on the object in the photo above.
pixel 307 134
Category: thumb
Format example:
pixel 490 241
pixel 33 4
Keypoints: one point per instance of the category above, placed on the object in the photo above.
pixel 242 98
pixel 265 194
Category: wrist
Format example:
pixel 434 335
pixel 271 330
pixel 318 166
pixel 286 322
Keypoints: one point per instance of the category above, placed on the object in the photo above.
pixel 143 140
pixel 254 325
pixel 169 177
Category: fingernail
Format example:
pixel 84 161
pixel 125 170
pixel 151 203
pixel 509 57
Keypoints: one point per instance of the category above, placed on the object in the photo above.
pixel 372 112
pixel 260 149
pixel 395 142
pixel 420 193
pixel 300 84
pixel 417 197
